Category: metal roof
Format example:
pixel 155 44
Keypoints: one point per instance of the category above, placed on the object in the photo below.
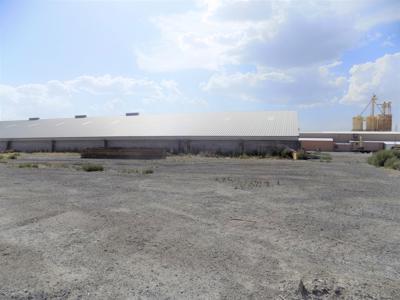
pixel 263 124
pixel 391 143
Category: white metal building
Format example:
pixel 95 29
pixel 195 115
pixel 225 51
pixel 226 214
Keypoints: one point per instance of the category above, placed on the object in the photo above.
pixel 196 132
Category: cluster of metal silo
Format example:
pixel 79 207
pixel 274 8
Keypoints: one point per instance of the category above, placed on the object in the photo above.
pixel 373 122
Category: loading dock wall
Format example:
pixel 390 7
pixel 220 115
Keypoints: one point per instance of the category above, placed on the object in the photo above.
pixel 207 146
pixel 171 146
pixel 30 146
pixel 3 146
pixel 261 147
pixel 76 145
pixel 194 146
pixel 368 146
pixel 221 147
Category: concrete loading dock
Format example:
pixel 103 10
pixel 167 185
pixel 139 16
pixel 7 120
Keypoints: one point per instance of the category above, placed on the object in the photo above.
pixel 346 136
pixel 367 146
pixel 225 133
pixel 344 141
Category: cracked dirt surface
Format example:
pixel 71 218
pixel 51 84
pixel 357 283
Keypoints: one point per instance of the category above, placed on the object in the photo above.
pixel 199 228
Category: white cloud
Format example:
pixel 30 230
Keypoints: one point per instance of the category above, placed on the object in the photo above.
pixel 101 95
pixel 302 41
pixel 381 77
pixel 241 10
pixel 197 40
pixel 378 12
pixel 279 34
pixel 249 79
pixel 297 86
pixel 188 41
pixel 293 45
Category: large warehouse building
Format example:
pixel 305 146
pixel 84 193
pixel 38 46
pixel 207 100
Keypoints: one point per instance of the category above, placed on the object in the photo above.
pixel 231 132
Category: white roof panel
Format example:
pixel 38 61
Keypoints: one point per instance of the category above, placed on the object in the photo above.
pixel 219 124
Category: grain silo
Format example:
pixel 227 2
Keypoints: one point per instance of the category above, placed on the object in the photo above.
pixel 358 123
pixel 371 123
pixel 385 118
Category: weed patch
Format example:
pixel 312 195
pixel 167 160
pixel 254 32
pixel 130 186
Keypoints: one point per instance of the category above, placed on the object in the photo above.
pixel 92 168
pixel 138 171
pixel 322 156
pixel 147 171
pixel 28 166
pixel 12 155
pixel 386 158
pixel 325 157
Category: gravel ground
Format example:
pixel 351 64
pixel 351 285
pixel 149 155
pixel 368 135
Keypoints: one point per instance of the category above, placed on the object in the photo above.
pixel 199 228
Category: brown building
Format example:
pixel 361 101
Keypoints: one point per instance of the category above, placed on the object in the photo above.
pixel 316 144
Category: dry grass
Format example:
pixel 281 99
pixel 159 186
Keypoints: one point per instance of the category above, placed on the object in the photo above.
pixel 386 158
pixel 92 167
pixel 28 166
pixel 11 155
pixel 146 171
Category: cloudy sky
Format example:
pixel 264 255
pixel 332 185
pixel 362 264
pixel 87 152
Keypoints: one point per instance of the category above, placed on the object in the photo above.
pixel 324 59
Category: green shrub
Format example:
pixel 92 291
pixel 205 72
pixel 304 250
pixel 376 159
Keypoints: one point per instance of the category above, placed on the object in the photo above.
pixel 396 153
pixel 11 155
pixel 326 157
pixel 147 171
pixel 304 155
pixel 282 152
pixel 396 165
pixel 92 168
pixel 313 155
pixel 392 163
pixel 386 158
pixel 28 165
pixel 138 171
pixel 379 158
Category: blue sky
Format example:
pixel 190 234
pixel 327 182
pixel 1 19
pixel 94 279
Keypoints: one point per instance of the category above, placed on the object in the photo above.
pixel 324 59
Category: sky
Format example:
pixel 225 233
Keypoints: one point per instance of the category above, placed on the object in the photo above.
pixel 324 59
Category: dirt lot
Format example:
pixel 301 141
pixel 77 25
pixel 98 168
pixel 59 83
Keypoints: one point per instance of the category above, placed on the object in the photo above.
pixel 199 228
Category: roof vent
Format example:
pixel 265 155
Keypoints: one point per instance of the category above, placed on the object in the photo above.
pixel 80 116
pixel 34 119
pixel 131 114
